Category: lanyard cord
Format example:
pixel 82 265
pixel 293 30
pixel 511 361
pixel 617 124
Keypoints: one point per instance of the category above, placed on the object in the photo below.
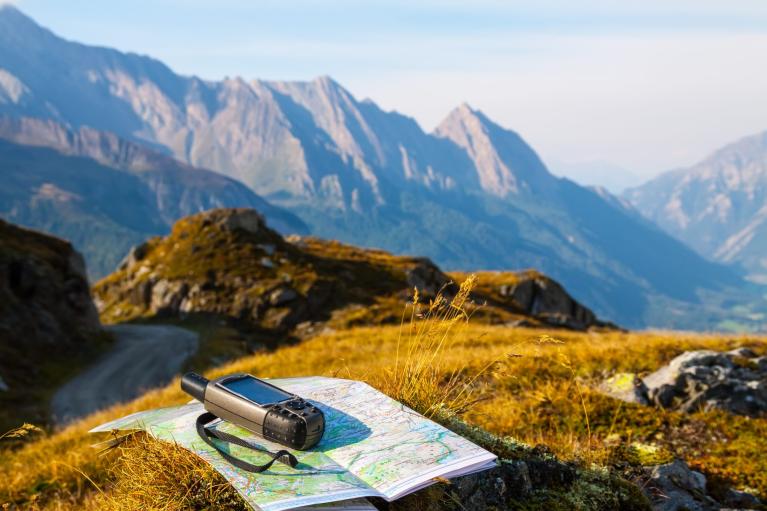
pixel 206 433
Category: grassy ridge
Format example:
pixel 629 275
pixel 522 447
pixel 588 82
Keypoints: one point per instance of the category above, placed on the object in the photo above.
pixel 533 397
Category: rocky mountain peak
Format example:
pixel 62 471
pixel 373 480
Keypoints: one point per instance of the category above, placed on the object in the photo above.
pixel 16 21
pixel 504 163
pixel 717 206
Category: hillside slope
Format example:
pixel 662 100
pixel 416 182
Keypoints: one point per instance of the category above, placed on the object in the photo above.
pixel 531 396
pixel 48 323
pixel 718 206
pixel 106 194
pixel 472 195
pixel 228 263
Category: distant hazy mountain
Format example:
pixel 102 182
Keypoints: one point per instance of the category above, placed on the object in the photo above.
pixel 106 194
pixel 718 206
pixel 470 195
pixel 604 174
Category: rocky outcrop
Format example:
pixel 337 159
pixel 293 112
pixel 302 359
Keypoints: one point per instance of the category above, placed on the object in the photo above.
pixel 539 300
pixel 44 295
pixel 733 381
pixel 675 487
pixel 544 298
pixel 228 262
pixel 47 317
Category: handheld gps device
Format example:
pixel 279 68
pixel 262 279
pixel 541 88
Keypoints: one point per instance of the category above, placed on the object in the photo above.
pixel 260 407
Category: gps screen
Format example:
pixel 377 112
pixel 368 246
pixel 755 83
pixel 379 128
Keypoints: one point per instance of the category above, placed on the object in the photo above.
pixel 256 390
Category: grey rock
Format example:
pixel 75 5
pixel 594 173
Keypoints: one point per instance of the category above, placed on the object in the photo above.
pixel 627 387
pixel 741 499
pixel 282 295
pixel 511 480
pixel 141 293
pixel 3 386
pixel 674 487
pixel 425 276
pixel 547 300
pixel 248 220
pixel 704 380
pixel 137 253
pixel 167 296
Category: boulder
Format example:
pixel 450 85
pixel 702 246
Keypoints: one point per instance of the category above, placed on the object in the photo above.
pixel 426 276
pixel 545 299
pixel 167 296
pixel 674 487
pixel 741 500
pixel 733 381
pixel 248 220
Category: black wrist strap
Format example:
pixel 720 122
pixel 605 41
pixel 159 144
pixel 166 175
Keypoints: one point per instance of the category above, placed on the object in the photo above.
pixel 207 434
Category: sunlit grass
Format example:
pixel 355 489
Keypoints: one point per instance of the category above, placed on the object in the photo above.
pixel 531 384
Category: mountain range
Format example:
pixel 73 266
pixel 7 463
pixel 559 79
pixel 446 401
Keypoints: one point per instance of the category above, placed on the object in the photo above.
pixel 470 195
pixel 106 194
pixel 718 206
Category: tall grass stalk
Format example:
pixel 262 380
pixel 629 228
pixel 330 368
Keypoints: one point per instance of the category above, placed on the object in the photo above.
pixel 420 378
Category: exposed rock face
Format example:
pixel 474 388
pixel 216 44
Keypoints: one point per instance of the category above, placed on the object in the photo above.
pixel 735 381
pixel 472 194
pixel 674 487
pixel 542 297
pixel 43 289
pixel 46 314
pixel 426 276
pixel 535 295
pixel 228 262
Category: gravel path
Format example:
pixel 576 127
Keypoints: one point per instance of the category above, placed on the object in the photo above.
pixel 144 357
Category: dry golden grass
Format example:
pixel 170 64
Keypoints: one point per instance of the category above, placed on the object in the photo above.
pixel 526 383
pixel 419 377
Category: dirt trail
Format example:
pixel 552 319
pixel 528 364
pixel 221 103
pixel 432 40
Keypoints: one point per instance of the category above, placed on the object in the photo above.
pixel 144 357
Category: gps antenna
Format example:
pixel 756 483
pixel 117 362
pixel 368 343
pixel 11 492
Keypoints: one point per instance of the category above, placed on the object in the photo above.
pixel 194 385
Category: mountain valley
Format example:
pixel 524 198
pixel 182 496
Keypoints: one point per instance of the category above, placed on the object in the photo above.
pixel 471 195
pixel 718 206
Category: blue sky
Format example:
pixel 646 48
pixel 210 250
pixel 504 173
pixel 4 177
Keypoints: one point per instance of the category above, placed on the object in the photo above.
pixel 639 86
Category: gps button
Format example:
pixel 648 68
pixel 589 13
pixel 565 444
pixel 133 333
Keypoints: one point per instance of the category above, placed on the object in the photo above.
pixel 296 405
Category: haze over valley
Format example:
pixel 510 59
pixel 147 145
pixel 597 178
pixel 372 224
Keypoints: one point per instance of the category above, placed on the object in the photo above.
pixel 521 245
pixel 470 195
